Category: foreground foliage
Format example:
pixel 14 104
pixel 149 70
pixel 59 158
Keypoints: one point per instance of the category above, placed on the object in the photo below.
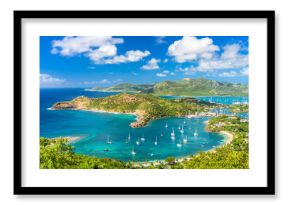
pixel 58 154
pixel 231 156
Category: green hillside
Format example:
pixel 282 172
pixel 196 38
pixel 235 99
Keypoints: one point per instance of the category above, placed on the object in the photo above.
pixel 145 106
pixel 185 87
pixel 199 87
pixel 125 87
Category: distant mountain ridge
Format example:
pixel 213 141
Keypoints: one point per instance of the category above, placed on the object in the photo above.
pixel 125 87
pixel 184 87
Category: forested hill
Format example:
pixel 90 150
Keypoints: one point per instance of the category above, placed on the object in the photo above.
pixel 184 87
pixel 146 106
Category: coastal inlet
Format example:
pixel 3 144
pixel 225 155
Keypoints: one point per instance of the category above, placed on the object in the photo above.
pixel 110 135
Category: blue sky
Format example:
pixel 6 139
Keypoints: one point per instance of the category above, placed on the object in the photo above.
pixel 88 61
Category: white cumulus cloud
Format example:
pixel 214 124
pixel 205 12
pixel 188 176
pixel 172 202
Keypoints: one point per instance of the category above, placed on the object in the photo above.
pixel 191 48
pixel 130 56
pixel 160 39
pixel 245 71
pixel 70 45
pixel 228 74
pixel 151 64
pixel 104 81
pixel 165 73
pixel 91 83
pixel 161 75
pixel 105 51
pixel 99 49
pixel 47 80
pixel 229 59
pixel 187 70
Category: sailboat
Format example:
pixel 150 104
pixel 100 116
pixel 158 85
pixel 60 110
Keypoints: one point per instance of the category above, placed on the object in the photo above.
pixel 166 125
pixel 185 140
pixel 182 130
pixel 210 100
pixel 109 141
pixel 161 134
pixel 106 149
pixel 179 144
pixel 127 139
pixel 142 139
pixel 133 152
pixel 172 134
pixel 179 127
pixel 195 133
pixel 155 143
pixel 138 141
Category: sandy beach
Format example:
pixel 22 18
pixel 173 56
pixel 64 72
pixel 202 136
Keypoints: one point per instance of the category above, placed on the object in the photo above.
pixel 111 112
pixel 70 138
pixel 229 136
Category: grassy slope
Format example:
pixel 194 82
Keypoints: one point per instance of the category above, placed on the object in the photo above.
pixel 144 102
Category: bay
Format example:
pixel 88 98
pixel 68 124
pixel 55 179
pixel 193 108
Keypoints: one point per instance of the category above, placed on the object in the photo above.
pixel 152 142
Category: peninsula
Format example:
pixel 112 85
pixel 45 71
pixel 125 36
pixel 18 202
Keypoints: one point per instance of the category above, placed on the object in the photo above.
pixel 146 106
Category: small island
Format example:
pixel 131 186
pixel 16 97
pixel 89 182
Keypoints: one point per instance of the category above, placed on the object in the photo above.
pixel 145 106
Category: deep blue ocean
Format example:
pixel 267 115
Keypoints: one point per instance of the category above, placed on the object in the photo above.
pixel 106 135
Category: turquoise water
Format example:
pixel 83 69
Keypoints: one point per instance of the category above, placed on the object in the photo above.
pixel 97 129
pixel 226 100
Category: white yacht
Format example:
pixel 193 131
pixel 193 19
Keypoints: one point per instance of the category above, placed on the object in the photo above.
pixel 133 152
pixel 179 144
pixel 155 143
pixel 182 130
pixel 138 142
pixel 108 140
pixel 172 134
pixel 185 140
pixel 142 139
pixel 166 125
pixel 195 133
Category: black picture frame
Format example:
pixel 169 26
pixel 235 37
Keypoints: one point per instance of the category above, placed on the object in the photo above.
pixel 268 190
